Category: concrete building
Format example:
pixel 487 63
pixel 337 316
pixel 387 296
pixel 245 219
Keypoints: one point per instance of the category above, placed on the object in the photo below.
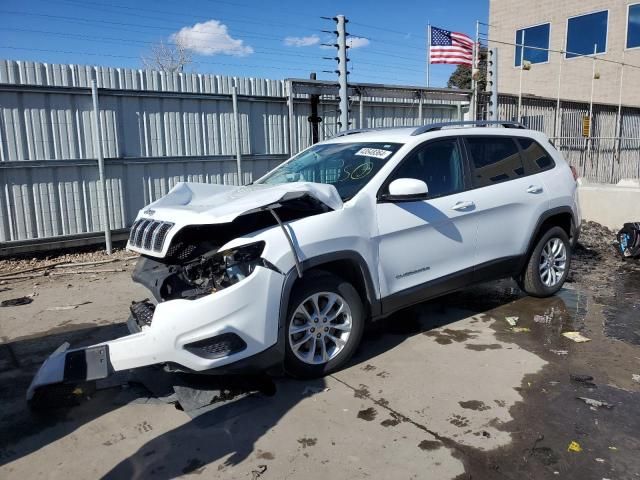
pixel 575 28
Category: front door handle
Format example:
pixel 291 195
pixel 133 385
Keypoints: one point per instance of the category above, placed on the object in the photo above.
pixel 463 206
pixel 534 189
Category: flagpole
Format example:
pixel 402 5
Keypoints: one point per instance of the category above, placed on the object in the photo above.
pixel 475 65
pixel 428 53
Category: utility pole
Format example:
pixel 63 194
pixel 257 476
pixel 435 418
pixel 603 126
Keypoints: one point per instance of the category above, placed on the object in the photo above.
pixel 492 82
pixel 342 72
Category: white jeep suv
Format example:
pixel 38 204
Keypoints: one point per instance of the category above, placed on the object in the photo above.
pixel 288 270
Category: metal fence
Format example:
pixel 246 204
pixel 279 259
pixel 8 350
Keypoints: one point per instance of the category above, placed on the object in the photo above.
pixel 609 154
pixel 157 129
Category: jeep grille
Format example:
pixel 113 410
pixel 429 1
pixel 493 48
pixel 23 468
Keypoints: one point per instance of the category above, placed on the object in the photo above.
pixel 149 234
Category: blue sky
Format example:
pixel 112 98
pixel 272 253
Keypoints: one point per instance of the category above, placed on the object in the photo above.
pixel 238 37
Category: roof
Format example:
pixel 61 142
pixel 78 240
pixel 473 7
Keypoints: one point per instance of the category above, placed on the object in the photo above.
pixel 421 133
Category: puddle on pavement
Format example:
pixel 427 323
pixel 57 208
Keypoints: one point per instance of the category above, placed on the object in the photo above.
pixel 622 308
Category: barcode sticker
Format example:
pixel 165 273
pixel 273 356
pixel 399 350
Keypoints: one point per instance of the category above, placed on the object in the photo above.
pixel 374 152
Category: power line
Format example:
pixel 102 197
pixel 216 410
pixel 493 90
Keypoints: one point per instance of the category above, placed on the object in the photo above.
pixel 74 52
pixel 577 55
pixel 173 14
pixel 71 52
pixel 127 24
pixel 377 27
pixel 121 41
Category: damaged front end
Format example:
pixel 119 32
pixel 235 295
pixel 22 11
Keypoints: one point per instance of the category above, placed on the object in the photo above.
pixel 214 309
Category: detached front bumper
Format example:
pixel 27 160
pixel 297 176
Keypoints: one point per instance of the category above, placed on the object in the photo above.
pixel 224 328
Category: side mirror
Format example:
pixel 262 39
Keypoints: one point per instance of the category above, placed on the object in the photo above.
pixel 406 190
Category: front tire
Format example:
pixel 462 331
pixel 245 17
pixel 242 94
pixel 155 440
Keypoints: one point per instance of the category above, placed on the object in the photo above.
pixel 324 326
pixel 548 265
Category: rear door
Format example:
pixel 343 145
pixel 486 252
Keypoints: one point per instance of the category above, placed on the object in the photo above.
pixel 509 201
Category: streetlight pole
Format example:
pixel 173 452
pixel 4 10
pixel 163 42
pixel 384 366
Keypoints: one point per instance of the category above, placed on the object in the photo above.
pixel 521 70
pixel 593 80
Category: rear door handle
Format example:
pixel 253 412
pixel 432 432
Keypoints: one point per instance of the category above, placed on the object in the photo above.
pixel 463 206
pixel 534 189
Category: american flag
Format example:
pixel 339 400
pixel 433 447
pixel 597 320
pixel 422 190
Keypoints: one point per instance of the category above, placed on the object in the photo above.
pixel 450 47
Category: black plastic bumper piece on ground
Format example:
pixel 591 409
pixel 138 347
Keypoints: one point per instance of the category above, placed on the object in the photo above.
pixel 142 315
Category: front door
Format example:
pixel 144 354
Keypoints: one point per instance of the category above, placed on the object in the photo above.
pixel 427 243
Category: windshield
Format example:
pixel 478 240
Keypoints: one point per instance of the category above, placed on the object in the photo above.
pixel 346 166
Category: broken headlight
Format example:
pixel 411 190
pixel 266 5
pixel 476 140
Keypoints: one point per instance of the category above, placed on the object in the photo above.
pixel 240 262
pixel 217 270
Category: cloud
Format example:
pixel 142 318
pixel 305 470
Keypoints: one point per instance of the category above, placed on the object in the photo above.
pixel 357 42
pixel 302 41
pixel 352 42
pixel 211 38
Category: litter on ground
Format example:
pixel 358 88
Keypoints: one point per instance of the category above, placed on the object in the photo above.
pixel 512 320
pixel 595 403
pixel 520 329
pixel 586 380
pixel 576 337
pixel 67 307
pixel 574 447
pixel 14 302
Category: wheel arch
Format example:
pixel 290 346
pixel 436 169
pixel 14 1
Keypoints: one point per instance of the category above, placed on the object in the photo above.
pixel 347 264
pixel 556 217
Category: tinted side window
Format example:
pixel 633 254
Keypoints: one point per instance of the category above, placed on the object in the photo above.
pixel 534 157
pixel 495 160
pixel 438 164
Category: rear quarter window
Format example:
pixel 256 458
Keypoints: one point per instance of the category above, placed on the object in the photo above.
pixel 494 159
pixel 534 157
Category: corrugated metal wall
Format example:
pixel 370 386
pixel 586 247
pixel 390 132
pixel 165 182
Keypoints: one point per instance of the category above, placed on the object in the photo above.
pixel 156 129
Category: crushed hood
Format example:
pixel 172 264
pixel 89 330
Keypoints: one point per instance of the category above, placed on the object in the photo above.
pixel 203 203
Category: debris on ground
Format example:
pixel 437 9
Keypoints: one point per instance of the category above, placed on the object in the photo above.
pixel 67 307
pixel 512 320
pixel 629 240
pixel 520 329
pixel 544 319
pixel 560 352
pixel 40 263
pixel 635 377
pixel 574 447
pixel 586 380
pixel 14 302
pixel 576 337
pixel 255 474
pixel 595 403
pixel 600 460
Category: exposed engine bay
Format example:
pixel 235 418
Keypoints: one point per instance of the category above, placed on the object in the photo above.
pixel 194 266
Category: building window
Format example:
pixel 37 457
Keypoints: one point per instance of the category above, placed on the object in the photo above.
pixel 538 37
pixel 633 26
pixel 585 32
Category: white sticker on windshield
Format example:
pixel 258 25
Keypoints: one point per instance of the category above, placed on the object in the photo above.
pixel 374 152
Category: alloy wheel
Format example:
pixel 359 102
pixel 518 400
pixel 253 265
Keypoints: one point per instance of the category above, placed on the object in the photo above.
pixel 553 262
pixel 320 328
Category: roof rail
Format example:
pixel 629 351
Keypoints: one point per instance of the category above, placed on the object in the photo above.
pixel 469 123
pixel 351 132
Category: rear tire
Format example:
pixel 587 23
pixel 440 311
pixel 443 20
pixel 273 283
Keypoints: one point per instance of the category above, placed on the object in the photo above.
pixel 324 325
pixel 548 265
